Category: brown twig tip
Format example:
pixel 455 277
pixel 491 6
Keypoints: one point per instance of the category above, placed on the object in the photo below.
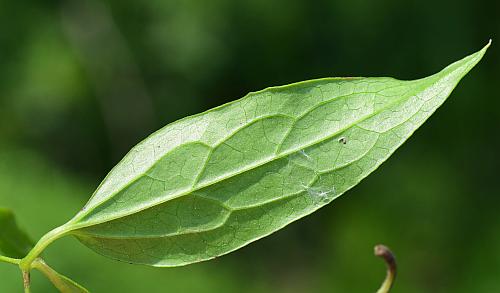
pixel 386 254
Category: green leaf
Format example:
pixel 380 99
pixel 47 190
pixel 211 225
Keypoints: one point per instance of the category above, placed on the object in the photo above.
pixel 14 242
pixel 61 282
pixel 211 183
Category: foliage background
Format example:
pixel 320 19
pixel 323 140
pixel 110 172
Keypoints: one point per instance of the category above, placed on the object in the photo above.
pixel 81 81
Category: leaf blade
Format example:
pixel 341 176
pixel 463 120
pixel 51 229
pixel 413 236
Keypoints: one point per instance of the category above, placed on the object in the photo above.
pixel 211 183
pixel 14 242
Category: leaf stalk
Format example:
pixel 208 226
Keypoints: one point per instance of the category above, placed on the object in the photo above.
pixel 26 263
pixel 14 261
pixel 59 281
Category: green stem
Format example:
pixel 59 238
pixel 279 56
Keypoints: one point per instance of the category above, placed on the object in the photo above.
pixel 14 261
pixel 51 274
pixel 47 239
pixel 61 282
pixel 385 253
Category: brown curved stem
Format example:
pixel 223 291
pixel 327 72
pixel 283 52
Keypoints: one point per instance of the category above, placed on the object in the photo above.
pixel 386 254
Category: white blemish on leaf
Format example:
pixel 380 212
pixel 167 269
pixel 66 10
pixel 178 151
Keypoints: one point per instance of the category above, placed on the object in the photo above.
pixel 303 153
pixel 320 194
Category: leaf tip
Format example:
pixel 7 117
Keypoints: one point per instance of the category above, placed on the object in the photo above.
pixel 487 45
pixel 476 57
pixel 484 49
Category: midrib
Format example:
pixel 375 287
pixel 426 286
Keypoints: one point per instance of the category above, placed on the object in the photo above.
pixel 239 172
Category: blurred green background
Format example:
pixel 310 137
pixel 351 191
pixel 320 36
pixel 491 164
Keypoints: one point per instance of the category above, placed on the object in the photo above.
pixel 81 82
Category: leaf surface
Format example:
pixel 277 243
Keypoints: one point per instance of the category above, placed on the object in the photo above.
pixel 14 242
pixel 211 183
